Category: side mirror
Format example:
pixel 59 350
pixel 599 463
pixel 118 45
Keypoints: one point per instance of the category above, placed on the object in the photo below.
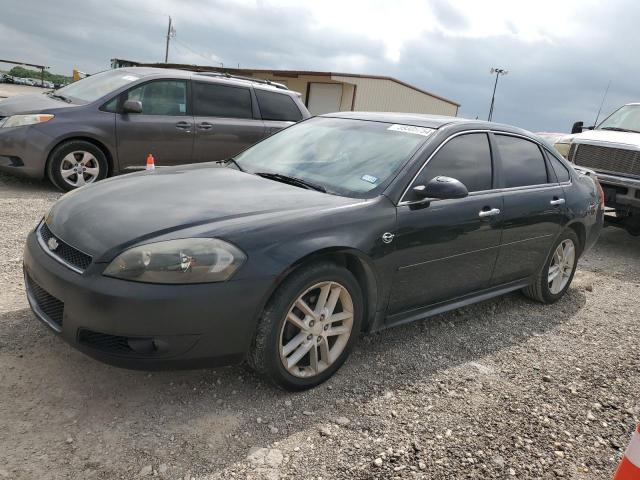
pixel 442 188
pixel 132 106
pixel 577 127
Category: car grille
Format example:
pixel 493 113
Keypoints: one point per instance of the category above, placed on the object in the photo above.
pixel 104 342
pixel 49 306
pixel 614 160
pixel 64 252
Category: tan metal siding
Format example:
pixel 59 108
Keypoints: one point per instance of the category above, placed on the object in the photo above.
pixel 377 95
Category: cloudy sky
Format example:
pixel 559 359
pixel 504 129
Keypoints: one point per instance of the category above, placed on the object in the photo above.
pixel 560 54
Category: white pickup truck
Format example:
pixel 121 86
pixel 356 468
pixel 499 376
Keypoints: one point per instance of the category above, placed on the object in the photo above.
pixel 612 150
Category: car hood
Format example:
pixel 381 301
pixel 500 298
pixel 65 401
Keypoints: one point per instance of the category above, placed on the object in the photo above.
pixel 32 103
pixel 608 136
pixel 103 219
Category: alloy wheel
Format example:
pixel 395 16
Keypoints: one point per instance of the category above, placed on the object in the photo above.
pixel 316 330
pixel 561 266
pixel 79 168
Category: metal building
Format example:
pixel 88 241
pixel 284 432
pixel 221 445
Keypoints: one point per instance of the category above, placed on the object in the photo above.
pixel 324 92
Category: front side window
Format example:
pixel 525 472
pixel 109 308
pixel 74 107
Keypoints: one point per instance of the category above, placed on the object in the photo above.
pixel 278 106
pixel 522 162
pixel 354 158
pixel 466 158
pixel 161 97
pixel 215 100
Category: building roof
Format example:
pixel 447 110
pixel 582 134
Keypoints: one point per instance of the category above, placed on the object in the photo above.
pixel 280 73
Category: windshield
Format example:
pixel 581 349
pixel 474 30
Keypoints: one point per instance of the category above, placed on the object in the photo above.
pixel 96 86
pixel 626 118
pixel 347 157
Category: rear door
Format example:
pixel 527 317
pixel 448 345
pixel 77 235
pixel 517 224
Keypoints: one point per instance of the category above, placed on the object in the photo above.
pixel 534 208
pixel 278 110
pixel 448 248
pixel 164 128
pixel 225 120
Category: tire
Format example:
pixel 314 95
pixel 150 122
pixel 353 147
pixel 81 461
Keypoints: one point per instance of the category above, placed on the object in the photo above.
pixel 276 332
pixel 70 157
pixel 542 289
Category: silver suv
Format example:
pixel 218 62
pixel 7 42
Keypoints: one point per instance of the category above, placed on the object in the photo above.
pixel 108 123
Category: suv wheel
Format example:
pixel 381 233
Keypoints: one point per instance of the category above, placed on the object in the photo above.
pixel 309 327
pixel 76 163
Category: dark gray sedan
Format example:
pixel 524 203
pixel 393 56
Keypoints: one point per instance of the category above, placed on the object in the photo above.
pixel 108 123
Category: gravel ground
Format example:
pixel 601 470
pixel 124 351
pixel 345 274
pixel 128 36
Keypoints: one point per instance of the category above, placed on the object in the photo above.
pixel 503 389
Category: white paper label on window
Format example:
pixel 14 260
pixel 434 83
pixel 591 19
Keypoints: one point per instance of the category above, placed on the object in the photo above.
pixel 424 131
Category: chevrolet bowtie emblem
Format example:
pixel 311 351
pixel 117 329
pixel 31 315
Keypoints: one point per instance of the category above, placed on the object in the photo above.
pixel 52 243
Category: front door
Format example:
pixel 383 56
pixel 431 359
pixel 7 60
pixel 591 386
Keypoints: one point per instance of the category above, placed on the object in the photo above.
pixel 448 248
pixel 225 121
pixel 534 208
pixel 164 128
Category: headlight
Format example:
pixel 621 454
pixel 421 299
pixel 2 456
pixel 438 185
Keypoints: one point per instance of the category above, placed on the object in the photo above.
pixel 563 149
pixel 188 260
pixel 23 120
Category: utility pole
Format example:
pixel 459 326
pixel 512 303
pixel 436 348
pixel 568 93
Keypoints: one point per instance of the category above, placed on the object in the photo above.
pixel 498 72
pixel 171 32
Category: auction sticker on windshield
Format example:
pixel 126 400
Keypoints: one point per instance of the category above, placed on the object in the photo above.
pixel 425 132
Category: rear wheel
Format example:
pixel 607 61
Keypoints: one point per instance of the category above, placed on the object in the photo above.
pixel 309 327
pixel 555 277
pixel 76 163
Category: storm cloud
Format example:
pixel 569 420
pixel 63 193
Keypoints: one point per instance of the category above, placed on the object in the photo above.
pixel 560 57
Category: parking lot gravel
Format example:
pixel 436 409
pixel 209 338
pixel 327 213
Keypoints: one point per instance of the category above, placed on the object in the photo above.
pixel 503 389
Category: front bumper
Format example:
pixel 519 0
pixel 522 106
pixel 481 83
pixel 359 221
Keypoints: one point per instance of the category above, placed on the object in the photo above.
pixel 620 191
pixel 144 326
pixel 23 151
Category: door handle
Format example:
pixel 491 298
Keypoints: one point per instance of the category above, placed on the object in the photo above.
pixel 557 201
pixel 489 213
pixel 205 126
pixel 183 126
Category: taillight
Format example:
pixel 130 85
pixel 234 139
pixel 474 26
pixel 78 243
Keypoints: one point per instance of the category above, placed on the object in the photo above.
pixel 600 192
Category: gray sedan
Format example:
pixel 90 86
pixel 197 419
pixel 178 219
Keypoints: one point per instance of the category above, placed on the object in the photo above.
pixel 108 123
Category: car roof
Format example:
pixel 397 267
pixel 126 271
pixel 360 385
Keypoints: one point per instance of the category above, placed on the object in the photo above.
pixel 428 121
pixel 205 77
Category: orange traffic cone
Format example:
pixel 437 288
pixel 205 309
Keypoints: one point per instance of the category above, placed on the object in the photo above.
pixel 629 468
pixel 151 165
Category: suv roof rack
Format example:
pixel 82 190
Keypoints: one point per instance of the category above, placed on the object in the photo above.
pixel 281 86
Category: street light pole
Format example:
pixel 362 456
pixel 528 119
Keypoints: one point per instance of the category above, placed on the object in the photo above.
pixel 498 72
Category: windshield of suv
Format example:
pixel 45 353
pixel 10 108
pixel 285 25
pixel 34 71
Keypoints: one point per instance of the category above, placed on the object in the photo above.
pixel 96 86
pixel 626 119
pixel 347 157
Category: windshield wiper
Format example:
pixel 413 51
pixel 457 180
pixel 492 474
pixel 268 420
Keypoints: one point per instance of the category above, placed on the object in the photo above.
pixel 61 97
pixel 618 129
pixel 231 160
pixel 298 182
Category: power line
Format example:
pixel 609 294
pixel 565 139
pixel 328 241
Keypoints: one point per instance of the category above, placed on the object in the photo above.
pixel 208 58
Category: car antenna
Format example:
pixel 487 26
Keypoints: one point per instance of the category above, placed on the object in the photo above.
pixel 602 103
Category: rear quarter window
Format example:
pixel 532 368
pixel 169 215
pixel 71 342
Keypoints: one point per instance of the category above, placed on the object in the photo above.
pixel 560 170
pixel 277 106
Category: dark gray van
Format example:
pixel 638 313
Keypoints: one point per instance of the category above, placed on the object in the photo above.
pixel 108 123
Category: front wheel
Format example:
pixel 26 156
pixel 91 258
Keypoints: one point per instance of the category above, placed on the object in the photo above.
pixel 76 163
pixel 309 327
pixel 555 277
